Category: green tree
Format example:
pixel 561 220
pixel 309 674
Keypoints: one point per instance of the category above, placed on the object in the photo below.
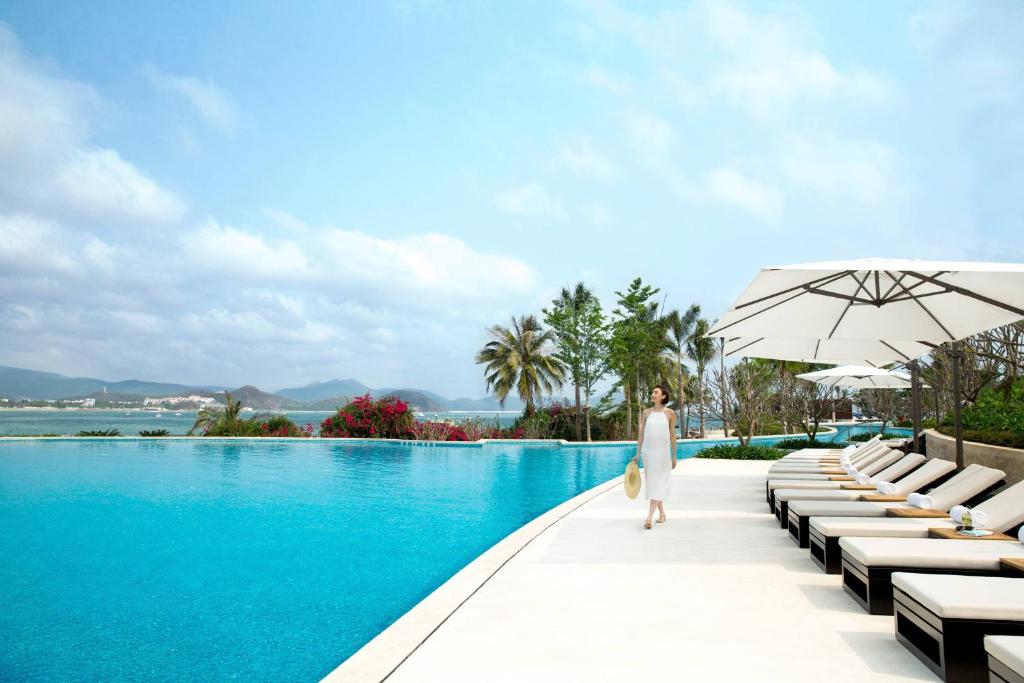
pixel 637 339
pixel 701 349
pixel 679 329
pixel 521 358
pixel 565 318
pixel 592 349
pixel 752 384
pixel 222 419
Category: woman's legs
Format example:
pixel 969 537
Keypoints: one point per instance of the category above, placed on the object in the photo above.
pixel 661 511
pixel 651 507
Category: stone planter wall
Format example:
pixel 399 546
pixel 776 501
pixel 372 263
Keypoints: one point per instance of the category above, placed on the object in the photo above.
pixel 1009 460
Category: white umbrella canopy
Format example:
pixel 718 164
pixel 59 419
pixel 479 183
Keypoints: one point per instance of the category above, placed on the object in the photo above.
pixel 929 302
pixel 859 377
pixel 872 352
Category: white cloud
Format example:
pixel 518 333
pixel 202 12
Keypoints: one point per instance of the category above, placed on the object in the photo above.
pixel 584 160
pixel 599 78
pixel 48 166
pixel 835 169
pixel 530 201
pixel 227 250
pixel 732 187
pixel 209 101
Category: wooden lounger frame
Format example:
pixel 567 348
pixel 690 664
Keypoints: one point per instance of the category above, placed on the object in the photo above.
pixel 953 648
pixel 871 587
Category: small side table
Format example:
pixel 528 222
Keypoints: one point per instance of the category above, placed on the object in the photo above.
pixel 953 535
pixel 916 513
pixel 1012 566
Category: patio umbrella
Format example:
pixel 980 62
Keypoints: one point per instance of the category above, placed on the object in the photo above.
pixel 859 377
pixel 928 302
pixel 872 352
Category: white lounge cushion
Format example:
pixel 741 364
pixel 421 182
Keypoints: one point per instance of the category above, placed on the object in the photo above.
pixel 877 465
pixel 818 484
pixel 815 494
pixel 841 508
pixel 878 527
pixel 944 498
pixel 995 598
pixel 1007 649
pixel 775 480
pixel 900 468
pixel 923 476
pixel 1005 509
pixel 929 553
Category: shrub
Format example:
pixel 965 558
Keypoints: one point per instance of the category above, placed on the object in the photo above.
pixel 154 432
pixel 997 410
pixel 558 421
pixel 280 425
pixel 794 444
pixel 438 431
pixel 100 432
pixel 386 418
pixel 860 438
pixel 259 425
pixel 737 452
pixel 992 437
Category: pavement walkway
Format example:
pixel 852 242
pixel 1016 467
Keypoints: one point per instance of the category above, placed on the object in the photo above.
pixel 719 593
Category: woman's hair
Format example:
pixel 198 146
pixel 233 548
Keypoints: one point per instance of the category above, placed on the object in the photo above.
pixel 664 393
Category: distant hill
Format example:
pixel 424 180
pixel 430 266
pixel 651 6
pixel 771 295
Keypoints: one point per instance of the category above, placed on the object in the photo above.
pixel 318 391
pixel 18 383
pixel 251 397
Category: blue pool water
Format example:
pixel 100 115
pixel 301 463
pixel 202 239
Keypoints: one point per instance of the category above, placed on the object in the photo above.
pixel 254 560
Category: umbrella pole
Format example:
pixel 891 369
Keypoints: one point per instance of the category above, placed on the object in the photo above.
pixel 955 355
pixel 915 402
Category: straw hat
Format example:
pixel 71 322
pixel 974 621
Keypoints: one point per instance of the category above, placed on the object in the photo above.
pixel 632 480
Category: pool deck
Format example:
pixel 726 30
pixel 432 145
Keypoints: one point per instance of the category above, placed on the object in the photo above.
pixel 717 593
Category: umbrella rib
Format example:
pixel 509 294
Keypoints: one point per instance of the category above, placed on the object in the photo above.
pixel 817 345
pixel 878 289
pixel 968 293
pixel 860 284
pixel 895 282
pixel 744 346
pixel 768 308
pixel 901 354
pixel 926 310
pixel 825 280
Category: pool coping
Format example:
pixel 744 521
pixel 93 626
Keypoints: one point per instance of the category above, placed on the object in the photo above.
pixel 389 649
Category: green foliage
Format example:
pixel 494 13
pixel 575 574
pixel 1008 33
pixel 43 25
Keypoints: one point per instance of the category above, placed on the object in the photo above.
pixel 100 432
pixel 521 358
pixel 154 432
pixel 797 443
pixel 997 410
pixel 558 420
pixel 738 452
pixel 861 438
pixel 989 436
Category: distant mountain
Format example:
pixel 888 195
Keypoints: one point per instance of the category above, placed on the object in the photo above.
pixel 318 391
pixel 251 397
pixel 18 383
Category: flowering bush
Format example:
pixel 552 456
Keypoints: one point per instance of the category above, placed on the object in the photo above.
pixel 279 425
pixel 439 431
pixel 387 418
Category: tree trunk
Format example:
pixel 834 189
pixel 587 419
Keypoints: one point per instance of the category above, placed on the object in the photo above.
pixel 627 394
pixel 723 380
pixel 686 424
pixel 700 397
pixel 682 398
pixel 588 420
pixel 579 417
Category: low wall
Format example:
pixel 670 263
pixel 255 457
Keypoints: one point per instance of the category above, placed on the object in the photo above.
pixel 1009 460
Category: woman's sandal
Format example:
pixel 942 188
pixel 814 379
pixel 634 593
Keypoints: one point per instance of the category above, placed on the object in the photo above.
pixel 660 520
pixel 647 525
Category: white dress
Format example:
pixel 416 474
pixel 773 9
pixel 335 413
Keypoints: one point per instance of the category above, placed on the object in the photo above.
pixel 656 457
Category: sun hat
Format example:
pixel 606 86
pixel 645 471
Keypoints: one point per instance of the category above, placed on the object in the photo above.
pixel 632 480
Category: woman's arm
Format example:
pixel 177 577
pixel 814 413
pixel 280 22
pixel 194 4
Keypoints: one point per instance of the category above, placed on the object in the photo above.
pixel 672 434
pixel 640 435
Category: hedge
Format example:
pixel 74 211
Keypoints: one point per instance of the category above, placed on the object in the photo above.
pixel 737 452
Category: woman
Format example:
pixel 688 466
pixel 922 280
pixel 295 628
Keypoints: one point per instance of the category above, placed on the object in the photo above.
pixel 657 446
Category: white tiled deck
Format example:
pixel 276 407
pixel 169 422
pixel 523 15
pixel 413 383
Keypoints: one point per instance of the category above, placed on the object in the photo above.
pixel 719 593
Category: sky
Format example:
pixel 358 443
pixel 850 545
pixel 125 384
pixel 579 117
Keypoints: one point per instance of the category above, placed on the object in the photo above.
pixel 275 193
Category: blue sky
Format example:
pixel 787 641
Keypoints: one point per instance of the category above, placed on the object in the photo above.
pixel 255 192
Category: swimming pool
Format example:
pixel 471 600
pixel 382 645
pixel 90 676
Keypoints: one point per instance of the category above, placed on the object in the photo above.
pixel 253 559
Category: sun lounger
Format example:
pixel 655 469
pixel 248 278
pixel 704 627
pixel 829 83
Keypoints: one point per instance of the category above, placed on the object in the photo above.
pixel 1004 512
pixel 901 467
pixel 826 453
pixel 1005 658
pixel 936 477
pixel 869 563
pixel 861 457
pixel 944 619
pixel 882 462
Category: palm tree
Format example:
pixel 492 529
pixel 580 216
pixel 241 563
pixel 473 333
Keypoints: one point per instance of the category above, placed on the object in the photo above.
pixel 567 310
pixel 680 327
pixel 207 418
pixel 521 358
pixel 702 350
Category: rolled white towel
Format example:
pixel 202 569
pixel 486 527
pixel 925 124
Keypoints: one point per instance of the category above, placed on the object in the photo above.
pixel 848 451
pixel 913 498
pixel 925 503
pixel 1020 535
pixel 844 461
pixel 863 478
pixel 956 513
pixel 886 488
pixel 979 520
